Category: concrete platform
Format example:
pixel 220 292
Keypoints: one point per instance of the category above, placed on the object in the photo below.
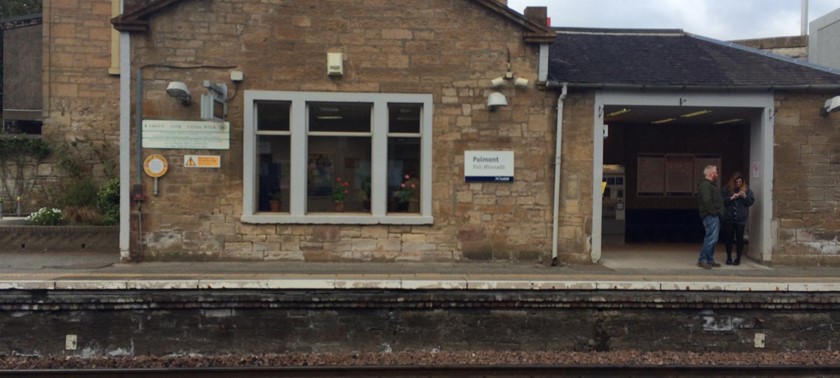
pixel 639 267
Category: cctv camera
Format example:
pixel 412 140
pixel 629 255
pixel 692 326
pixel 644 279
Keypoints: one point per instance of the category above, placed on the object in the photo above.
pixel 179 91
pixel 831 105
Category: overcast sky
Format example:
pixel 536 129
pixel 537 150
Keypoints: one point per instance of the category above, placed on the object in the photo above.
pixel 719 19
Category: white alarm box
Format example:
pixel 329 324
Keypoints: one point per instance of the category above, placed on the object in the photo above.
pixel 335 64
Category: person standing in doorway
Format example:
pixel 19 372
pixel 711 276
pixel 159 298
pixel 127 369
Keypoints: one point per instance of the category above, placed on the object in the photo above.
pixel 711 212
pixel 737 198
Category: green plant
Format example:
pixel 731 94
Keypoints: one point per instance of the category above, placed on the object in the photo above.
pixel 340 190
pixel 276 196
pixel 45 217
pixel 87 189
pixel 407 188
pixel 77 191
pixel 108 201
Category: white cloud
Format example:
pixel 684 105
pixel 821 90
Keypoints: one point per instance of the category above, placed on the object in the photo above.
pixel 720 19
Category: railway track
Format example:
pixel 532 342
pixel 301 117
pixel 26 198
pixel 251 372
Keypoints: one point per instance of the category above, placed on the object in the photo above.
pixel 442 371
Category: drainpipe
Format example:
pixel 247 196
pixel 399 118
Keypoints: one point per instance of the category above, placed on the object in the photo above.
pixel 125 145
pixel 557 160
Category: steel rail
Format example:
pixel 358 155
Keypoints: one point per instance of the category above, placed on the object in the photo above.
pixel 439 371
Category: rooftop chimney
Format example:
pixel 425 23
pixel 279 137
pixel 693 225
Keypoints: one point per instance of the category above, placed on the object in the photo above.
pixel 538 15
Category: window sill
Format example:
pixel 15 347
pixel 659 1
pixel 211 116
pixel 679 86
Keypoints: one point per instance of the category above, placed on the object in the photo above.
pixel 336 218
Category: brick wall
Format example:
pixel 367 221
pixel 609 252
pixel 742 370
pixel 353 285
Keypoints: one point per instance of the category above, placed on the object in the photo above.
pixel 164 322
pixel 806 186
pixel 450 49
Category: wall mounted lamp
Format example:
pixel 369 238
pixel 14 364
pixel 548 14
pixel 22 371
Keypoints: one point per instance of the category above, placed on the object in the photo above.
pixel 179 91
pixel 831 105
pixel 495 100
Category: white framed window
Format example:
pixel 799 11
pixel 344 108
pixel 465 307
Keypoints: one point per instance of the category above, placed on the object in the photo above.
pixel 337 158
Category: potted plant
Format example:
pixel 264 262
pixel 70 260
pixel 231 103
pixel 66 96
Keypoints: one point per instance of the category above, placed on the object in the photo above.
pixel 406 192
pixel 341 189
pixel 275 201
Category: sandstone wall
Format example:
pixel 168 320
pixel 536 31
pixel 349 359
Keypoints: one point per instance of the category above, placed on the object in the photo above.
pixel 80 97
pixel 450 49
pixel 806 186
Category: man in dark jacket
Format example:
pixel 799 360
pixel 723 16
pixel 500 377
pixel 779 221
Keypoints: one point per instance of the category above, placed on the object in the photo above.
pixel 711 211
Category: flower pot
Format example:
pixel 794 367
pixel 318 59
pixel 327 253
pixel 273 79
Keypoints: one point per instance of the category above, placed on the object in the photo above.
pixel 275 205
pixel 338 207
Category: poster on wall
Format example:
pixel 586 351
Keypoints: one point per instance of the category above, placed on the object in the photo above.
pixel 651 176
pixel 679 174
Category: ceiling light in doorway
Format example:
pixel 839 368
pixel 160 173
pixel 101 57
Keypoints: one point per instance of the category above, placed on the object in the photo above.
pixel 697 113
pixel 330 117
pixel 661 121
pixel 729 121
pixel 618 112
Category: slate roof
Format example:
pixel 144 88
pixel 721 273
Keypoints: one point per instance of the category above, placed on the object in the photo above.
pixel 673 59
pixel 137 18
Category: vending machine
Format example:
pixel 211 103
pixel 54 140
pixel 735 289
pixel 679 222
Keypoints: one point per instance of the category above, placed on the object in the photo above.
pixel 612 212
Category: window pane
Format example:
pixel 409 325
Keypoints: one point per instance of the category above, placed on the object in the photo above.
pixel 338 174
pixel 273 181
pixel 339 117
pixel 404 118
pixel 273 115
pixel 404 175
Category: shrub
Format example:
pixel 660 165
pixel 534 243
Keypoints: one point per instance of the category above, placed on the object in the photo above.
pixel 108 201
pixel 45 217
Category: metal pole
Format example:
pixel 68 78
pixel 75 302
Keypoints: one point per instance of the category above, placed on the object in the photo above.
pixel 804 18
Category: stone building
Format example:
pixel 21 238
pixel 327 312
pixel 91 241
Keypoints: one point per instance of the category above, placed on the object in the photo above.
pixel 405 103
pixel 493 121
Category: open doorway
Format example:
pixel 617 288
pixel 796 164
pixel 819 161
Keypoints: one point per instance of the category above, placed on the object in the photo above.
pixel 650 150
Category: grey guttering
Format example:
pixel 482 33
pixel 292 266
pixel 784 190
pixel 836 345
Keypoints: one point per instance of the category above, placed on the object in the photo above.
pixel 686 87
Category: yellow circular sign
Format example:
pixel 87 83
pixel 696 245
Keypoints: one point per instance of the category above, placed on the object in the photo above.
pixel 155 165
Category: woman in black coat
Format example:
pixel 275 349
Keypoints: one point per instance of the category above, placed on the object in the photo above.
pixel 737 198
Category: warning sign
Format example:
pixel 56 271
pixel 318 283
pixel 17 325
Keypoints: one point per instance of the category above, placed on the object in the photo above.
pixel 202 161
pixel 155 165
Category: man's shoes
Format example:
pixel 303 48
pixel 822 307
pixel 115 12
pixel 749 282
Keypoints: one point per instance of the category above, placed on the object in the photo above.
pixel 704 265
pixel 728 261
pixel 714 265
pixel 737 262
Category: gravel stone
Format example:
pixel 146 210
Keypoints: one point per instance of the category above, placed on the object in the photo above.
pixel 478 358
